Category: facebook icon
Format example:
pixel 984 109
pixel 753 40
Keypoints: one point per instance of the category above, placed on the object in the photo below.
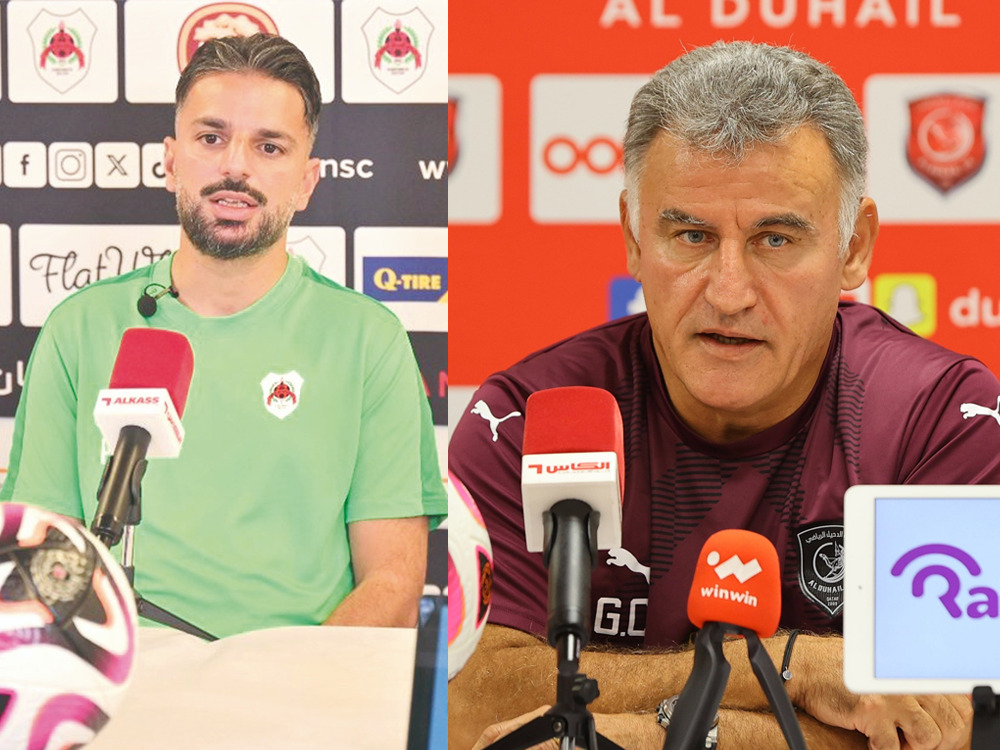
pixel 24 164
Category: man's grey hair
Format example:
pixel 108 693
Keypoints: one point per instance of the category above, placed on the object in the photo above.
pixel 725 98
pixel 267 54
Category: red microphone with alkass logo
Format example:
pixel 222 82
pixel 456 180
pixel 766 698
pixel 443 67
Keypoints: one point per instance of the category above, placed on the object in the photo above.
pixel 155 358
pixel 571 489
pixel 149 387
pixel 139 414
pixel 572 448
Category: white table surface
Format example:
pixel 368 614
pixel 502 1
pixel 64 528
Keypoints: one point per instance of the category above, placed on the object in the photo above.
pixel 277 689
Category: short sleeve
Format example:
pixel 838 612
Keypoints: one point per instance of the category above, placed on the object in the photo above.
pixel 954 431
pixel 432 481
pixel 393 457
pixel 485 455
pixel 43 459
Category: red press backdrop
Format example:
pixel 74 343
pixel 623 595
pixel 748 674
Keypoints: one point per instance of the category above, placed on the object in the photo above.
pixel 539 97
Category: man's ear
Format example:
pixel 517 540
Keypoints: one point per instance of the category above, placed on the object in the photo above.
pixel 859 250
pixel 168 164
pixel 632 250
pixel 309 181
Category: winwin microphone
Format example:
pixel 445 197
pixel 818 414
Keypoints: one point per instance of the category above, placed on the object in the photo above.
pixel 572 478
pixel 736 591
pixel 139 414
pixel 737 581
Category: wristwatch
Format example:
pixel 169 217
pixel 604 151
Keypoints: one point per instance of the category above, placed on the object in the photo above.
pixel 665 712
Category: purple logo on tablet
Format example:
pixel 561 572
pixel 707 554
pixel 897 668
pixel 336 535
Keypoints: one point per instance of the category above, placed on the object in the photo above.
pixel 983 601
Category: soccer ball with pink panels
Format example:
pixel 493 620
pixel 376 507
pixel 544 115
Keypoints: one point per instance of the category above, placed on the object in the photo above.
pixel 470 575
pixel 67 631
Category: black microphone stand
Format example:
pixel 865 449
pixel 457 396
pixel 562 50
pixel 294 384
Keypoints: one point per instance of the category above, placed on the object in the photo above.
pixel 702 694
pixel 986 719
pixel 126 468
pixel 570 542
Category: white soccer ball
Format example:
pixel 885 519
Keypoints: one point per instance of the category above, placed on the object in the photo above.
pixel 470 575
pixel 67 631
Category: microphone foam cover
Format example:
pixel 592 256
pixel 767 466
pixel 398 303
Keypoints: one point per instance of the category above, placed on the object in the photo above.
pixel 737 581
pixel 574 419
pixel 155 358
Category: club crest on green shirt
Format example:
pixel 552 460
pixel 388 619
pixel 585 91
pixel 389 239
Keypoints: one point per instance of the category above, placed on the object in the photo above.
pixel 282 392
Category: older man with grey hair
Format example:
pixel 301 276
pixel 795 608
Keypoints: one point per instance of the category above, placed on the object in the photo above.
pixel 751 398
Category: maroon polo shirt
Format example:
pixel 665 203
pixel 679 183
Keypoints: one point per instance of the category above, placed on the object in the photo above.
pixel 886 410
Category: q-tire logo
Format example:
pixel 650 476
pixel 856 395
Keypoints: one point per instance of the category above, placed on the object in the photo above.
pixel 406 279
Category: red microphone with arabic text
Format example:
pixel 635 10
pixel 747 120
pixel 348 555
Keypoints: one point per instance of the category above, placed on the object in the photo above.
pixel 571 487
pixel 139 414
pixel 573 448
pixel 572 475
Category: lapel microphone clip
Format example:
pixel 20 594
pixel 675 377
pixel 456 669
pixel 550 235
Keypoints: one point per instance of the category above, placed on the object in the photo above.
pixel 146 304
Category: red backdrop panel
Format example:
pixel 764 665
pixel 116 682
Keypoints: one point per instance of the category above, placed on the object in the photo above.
pixel 520 282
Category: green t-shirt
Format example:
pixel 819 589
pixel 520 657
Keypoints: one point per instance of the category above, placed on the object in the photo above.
pixel 248 527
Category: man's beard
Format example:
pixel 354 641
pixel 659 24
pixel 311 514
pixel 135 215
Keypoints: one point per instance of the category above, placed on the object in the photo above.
pixel 205 233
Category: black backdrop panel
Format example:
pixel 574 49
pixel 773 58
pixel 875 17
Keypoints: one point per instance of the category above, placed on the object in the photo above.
pixel 86 100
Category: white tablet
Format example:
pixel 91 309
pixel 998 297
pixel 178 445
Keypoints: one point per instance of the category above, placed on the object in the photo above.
pixel 922 588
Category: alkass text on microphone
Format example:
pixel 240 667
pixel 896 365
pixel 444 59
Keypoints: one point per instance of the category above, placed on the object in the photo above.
pixel 572 449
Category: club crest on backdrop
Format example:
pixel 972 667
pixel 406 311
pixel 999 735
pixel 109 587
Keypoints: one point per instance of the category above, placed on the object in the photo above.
pixel 282 392
pixel 397 46
pixel 946 145
pixel 62 47
pixel 220 20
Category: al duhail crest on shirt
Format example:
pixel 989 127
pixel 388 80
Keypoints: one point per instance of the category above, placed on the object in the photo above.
pixel 821 565
pixel 946 145
pixel 397 46
pixel 62 45
pixel 282 392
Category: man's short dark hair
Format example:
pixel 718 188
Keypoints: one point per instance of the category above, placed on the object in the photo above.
pixel 270 55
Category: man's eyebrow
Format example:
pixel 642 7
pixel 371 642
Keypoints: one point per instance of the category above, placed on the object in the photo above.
pixel 212 122
pixel 676 216
pixel 274 135
pixel 793 221
pixel 217 123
